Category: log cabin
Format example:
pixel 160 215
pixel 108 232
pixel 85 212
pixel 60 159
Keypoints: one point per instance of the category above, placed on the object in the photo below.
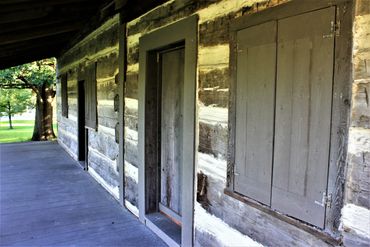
pixel 215 122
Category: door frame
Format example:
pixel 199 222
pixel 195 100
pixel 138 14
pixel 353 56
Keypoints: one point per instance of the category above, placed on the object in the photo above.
pixel 184 31
pixel 341 98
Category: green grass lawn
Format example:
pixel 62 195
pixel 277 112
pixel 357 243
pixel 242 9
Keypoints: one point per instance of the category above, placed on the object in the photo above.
pixel 22 131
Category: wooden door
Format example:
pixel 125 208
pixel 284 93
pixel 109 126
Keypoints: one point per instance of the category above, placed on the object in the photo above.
pixel 255 99
pixel 172 84
pixel 303 114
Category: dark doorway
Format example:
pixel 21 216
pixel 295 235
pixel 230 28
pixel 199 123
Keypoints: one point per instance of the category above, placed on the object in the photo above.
pixel 81 124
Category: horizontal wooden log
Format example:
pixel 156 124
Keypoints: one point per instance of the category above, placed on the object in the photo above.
pixel 213 139
pixel 133 54
pixel 131 87
pixel 216 31
pixel 107 89
pixel 103 39
pixel 214 78
pixel 107 66
pixel 131 152
pixel 214 97
pixel 105 144
pixel 104 168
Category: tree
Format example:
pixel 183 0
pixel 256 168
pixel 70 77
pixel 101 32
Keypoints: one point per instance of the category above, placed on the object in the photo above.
pixel 14 101
pixel 40 77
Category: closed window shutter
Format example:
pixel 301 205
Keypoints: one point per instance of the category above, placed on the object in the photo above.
pixel 256 63
pixel 303 114
pixel 64 94
pixel 91 97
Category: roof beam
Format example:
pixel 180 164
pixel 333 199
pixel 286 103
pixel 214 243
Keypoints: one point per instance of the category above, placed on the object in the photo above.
pixel 28 14
pixel 13 37
pixel 26 25
pixel 20 48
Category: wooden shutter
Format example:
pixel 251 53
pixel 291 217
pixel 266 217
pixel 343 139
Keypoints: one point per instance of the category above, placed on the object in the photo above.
pixel 91 97
pixel 303 113
pixel 64 94
pixel 255 89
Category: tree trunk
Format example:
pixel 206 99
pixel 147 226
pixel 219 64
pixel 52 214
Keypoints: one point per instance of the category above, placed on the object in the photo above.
pixel 43 129
pixel 10 116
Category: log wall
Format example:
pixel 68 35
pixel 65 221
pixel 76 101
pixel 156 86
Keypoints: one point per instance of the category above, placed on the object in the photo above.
pixel 100 47
pixel 230 214
pixel 356 209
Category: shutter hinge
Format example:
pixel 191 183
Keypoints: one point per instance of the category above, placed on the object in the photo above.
pixel 326 200
pixel 157 57
pixel 334 30
pixel 337 28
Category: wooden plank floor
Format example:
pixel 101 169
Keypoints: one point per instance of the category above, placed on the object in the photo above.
pixel 46 199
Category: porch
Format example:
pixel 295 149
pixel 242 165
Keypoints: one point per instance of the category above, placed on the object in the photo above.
pixel 46 199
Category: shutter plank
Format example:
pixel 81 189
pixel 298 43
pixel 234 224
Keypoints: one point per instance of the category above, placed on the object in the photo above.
pixel 256 61
pixel 303 113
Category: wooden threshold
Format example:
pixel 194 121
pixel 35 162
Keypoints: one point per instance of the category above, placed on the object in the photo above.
pixel 170 214
pixel 165 228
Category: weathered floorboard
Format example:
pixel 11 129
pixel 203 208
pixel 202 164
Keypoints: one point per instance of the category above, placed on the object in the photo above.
pixel 46 199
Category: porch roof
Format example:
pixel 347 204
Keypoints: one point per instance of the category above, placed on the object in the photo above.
pixel 35 29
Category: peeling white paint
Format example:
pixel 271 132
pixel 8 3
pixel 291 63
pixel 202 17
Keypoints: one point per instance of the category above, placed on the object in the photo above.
pixel 68 134
pixel 207 114
pixel 131 134
pixel 72 117
pixel 106 130
pixel 356 219
pixel 132 142
pixel 112 163
pixel 133 209
pixel 222 232
pixel 131 103
pixel 106 102
pixel 213 115
pixel 359 140
pixel 132 171
pixel 114 191
pixel 212 166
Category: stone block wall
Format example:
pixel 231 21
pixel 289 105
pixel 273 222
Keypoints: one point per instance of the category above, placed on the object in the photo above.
pixel 100 47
